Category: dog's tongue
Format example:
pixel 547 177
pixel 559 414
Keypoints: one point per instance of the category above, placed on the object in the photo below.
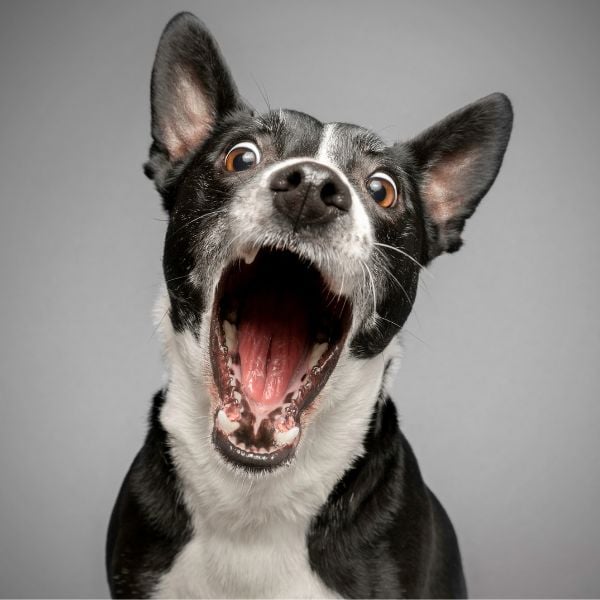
pixel 273 344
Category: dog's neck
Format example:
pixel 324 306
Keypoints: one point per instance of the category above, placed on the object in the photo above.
pixel 214 491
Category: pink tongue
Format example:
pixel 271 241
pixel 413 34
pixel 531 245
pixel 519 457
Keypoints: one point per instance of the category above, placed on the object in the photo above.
pixel 273 344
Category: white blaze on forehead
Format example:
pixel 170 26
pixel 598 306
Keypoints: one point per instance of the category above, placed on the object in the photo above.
pixel 325 152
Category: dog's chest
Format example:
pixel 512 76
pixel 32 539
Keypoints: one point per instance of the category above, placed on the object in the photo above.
pixel 271 563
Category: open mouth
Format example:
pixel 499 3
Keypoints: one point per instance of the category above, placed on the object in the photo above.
pixel 276 335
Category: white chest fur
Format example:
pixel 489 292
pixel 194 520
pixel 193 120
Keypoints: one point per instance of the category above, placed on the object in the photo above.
pixel 250 533
pixel 270 564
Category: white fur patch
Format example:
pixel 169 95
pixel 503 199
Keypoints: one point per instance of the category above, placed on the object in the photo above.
pixel 250 531
pixel 324 153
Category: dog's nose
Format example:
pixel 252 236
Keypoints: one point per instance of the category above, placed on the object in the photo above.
pixel 309 193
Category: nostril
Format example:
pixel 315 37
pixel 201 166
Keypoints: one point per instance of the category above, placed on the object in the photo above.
pixel 333 195
pixel 294 179
pixel 328 192
pixel 286 181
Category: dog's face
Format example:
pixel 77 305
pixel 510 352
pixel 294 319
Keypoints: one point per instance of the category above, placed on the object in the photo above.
pixel 293 244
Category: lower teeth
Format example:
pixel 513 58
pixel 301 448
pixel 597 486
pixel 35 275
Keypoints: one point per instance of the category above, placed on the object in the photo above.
pixel 225 424
pixel 316 354
pixel 283 438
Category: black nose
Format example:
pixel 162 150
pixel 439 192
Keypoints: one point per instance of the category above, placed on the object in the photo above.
pixel 308 193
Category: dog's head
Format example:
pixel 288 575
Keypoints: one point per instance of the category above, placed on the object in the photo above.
pixel 294 245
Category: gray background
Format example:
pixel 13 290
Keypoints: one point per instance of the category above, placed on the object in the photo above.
pixel 499 389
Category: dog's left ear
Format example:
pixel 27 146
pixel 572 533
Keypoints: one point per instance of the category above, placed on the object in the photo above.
pixel 457 161
pixel 191 89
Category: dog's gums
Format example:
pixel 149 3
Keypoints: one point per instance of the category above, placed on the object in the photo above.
pixel 276 334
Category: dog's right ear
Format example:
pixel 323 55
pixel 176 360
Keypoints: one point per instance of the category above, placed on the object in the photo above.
pixel 191 89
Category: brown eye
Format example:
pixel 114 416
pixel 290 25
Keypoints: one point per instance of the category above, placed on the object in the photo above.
pixel 242 156
pixel 382 189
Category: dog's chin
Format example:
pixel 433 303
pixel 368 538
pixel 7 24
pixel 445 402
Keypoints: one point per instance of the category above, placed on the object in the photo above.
pixel 276 334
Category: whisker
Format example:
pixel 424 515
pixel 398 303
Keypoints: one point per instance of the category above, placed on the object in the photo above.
pixel 388 320
pixel 158 324
pixel 194 220
pixel 263 92
pixel 400 251
pixel 403 329
pixel 363 267
pixel 416 337
pixel 176 278
pixel 398 282
pixel 411 302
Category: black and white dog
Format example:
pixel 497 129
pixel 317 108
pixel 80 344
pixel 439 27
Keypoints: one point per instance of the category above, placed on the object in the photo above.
pixel 274 465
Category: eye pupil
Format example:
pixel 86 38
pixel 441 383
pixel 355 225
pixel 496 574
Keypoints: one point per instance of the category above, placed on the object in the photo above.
pixel 242 156
pixel 377 190
pixel 244 160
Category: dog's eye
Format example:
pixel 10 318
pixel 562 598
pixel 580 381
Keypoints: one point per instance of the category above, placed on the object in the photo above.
pixel 382 189
pixel 242 156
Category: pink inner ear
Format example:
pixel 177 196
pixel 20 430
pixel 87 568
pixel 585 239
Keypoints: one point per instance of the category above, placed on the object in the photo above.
pixel 447 185
pixel 188 119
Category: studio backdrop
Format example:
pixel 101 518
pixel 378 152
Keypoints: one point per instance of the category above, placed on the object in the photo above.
pixel 499 386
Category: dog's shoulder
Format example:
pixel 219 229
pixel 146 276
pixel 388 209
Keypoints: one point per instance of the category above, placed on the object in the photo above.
pixel 382 532
pixel 149 524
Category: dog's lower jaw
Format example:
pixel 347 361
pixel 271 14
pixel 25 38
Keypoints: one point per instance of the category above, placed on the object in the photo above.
pixel 235 514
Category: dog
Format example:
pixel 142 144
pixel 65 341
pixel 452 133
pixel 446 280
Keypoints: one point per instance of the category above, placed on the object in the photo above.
pixel 274 465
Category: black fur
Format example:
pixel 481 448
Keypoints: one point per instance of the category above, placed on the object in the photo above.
pixel 382 533
pixel 149 523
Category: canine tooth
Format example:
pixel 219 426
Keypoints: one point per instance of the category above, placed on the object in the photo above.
pixel 233 411
pixel 237 395
pixel 250 255
pixel 225 424
pixel 230 334
pixel 242 446
pixel 317 351
pixel 284 423
pixel 282 438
